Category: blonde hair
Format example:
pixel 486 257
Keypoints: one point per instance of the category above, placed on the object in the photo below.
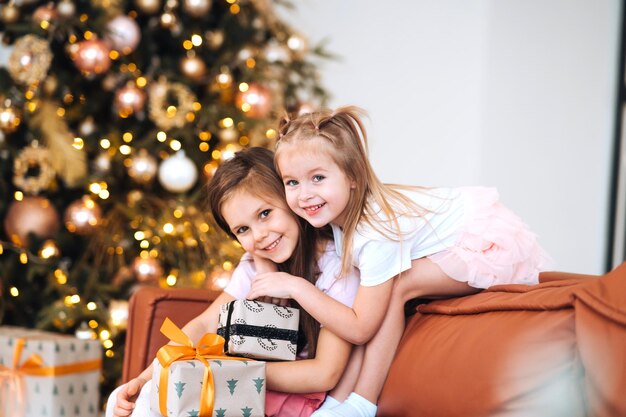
pixel 344 131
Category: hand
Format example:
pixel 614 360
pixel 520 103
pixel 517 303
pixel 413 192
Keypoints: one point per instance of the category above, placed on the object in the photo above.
pixel 263 265
pixel 126 397
pixel 273 285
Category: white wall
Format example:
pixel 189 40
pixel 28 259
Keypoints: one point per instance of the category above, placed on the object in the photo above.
pixel 517 94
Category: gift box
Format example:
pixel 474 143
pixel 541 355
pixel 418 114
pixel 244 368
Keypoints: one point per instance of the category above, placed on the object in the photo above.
pixel 200 381
pixel 253 329
pixel 48 374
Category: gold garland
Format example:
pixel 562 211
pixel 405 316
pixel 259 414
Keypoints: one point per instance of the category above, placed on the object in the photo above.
pixel 33 156
pixel 167 114
pixel 33 70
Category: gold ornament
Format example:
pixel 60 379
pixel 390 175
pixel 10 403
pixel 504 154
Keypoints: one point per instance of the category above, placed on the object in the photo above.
pixel 214 39
pixel 228 134
pixel 92 56
pixel 298 45
pixel 169 114
pixel 209 169
pixel 83 216
pixel 33 157
pixel 129 99
pixel 228 151
pixel 218 279
pixel 30 60
pixel 34 215
pixel 87 126
pixel 147 270
pixel 9 117
pixel 49 249
pixel 255 101
pixel 102 163
pixel 149 6
pixel 193 67
pixel 118 310
pixel 143 167
pixel 197 8
pixel 168 20
pixel 50 84
pixel 10 13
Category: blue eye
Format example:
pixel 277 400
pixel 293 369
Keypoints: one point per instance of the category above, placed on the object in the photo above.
pixel 291 183
pixel 318 178
pixel 265 213
pixel 241 230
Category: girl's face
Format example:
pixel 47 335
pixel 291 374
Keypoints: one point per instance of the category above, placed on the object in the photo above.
pixel 316 188
pixel 266 229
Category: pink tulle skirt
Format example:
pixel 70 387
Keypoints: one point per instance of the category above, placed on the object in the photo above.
pixel 282 404
pixel 494 247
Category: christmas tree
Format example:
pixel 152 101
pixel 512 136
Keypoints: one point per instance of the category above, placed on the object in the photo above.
pixel 113 114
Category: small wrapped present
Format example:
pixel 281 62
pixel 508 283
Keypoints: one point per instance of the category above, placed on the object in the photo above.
pixel 48 374
pixel 253 329
pixel 200 381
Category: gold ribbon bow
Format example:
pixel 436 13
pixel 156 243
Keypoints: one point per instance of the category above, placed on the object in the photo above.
pixel 210 346
pixel 13 385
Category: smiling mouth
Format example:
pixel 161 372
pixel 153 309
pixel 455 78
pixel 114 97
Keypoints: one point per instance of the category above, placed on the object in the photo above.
pixel 273 244
pixel 313 209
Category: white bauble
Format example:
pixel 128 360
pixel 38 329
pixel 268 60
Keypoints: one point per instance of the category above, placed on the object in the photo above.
pixel 124 34
pixel 178 173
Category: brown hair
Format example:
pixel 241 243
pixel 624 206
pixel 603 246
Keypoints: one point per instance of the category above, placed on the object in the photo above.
pixel 344 133
pixel 253 170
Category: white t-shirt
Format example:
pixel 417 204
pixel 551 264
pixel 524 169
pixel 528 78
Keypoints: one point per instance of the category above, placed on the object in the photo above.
pixel 380 258
pixel 329 263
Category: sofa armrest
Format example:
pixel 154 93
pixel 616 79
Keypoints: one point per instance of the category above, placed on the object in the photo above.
pixel 148 307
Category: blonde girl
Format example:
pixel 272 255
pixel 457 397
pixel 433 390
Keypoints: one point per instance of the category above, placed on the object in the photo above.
pixel 247 200
pixel 407 242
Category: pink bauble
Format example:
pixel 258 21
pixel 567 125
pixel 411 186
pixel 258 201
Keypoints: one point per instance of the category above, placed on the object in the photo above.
pixel 34 215
pixel 92 56
pixel 124 34
pixel 45 13
pixel 83 216
pixel 147 270
pixel 129 99
pixel 255 102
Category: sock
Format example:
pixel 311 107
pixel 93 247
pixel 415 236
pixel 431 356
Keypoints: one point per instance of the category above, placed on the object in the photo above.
pixel 329 402
pixel 353 406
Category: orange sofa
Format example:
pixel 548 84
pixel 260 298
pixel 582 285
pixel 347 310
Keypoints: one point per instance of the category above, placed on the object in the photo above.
pixel 554 349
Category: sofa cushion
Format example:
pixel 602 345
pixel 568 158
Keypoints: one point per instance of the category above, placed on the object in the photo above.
pixel 513 351
pixel 601 335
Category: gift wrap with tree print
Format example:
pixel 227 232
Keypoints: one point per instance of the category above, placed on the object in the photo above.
pixel 48 374
pixel 253 329
pixel 238 386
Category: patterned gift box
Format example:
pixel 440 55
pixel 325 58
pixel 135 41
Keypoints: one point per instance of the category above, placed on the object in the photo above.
pixel 253 329
pixel 190 381
pixel 48 374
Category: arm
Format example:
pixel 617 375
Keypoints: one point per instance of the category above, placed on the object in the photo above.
pixel 203 323
pixel 356 325
pixel 311 375
pixel 206 322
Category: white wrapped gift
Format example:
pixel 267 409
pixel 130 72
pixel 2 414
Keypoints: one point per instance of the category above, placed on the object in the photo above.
pixel 48 374
pixel 253 329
